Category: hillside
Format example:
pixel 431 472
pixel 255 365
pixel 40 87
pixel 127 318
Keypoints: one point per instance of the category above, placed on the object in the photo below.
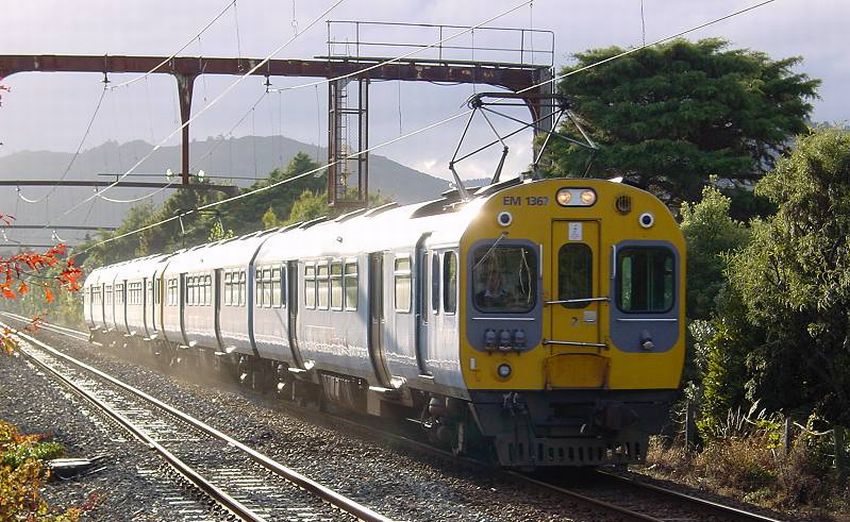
pixel 248 157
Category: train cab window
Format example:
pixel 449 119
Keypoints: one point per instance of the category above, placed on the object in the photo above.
pixel 645 279
pixel 504 279
pixel 322 286
pixel 310 286
pixel 450 282
pixel 336 285
pixel 575 274
pixel 350 285
pixel 402 279
pixel 435 283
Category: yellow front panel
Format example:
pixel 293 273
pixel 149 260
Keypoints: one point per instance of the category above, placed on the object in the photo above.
pixel 537 217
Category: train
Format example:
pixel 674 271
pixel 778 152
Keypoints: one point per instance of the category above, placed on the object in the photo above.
pixel 540 319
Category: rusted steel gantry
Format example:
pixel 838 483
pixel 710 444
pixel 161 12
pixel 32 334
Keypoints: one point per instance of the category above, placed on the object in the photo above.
pixel 186 69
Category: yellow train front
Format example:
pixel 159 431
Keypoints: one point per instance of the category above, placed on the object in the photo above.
pixel 572 325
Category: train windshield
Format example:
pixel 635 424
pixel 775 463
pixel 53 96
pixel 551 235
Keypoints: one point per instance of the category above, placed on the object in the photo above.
pixel 646 280
pixel 504 279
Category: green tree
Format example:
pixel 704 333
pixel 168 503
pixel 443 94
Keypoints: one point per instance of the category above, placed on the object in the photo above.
pixel 794 280
pixel 709 233
pixel 248 213
pixel 309 205
pixel 269 219
pixel 669 116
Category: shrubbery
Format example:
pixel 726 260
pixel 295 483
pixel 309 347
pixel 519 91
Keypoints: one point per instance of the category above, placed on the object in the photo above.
pixel 22 475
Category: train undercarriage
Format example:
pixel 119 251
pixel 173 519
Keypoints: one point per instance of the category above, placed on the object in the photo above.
pixel 519 429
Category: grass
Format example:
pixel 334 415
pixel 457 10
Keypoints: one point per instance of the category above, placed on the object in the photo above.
pixel 752 468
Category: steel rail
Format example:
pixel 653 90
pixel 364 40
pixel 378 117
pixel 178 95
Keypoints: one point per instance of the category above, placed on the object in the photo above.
pixel 209 489
pixel 420 446
pixel 332 497
pixel 723 508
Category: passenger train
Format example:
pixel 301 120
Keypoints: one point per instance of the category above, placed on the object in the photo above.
pixel 542 319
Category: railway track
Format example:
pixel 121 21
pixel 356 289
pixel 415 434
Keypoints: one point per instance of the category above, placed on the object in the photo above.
pixel 622 497
pixel 244 482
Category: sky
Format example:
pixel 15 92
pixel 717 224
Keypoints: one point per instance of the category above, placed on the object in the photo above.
pixel 50 111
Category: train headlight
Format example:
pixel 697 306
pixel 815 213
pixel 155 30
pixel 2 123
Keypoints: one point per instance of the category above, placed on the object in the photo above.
pixel 576 197
pixel 504 370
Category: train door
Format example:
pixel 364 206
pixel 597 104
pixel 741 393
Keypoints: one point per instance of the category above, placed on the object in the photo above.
pixel 292 311
pixel 423 268
pixel 377 320
pixel 216 299
pixel 575 286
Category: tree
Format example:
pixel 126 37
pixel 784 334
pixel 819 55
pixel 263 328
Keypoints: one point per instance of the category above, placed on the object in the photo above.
pixel 48 272
pixel 669 116
pixel 245 217
pixel 309 205
pixel 710 233
pixel 794 280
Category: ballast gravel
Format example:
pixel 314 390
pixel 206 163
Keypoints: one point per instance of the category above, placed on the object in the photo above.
pixel 397 482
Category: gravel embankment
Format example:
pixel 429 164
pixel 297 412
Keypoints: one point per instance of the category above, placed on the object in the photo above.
pixel 398 483
pixel 125 485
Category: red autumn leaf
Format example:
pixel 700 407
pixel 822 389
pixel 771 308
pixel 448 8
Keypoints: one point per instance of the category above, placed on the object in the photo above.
pixel 48 295
pixel 8 294
pixel 23 288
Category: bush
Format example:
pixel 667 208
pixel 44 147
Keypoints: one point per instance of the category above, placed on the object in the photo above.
pixel 22 475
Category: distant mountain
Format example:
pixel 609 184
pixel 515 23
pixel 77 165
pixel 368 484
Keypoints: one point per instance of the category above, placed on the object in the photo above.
pixel 248 157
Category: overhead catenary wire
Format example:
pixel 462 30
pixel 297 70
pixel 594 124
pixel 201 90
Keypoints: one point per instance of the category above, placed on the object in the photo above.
pixel 231 3
pixel 76 152
pixel 317 83
pixel 401 57
pixel 209 106
pixel 281 182
pixel 651 44
pixel 430 126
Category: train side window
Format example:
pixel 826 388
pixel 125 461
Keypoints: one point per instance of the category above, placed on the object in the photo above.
pixel 228 288
pixel 450 282
pixel 267 287
pixel 645 280
pixel 310 286
pixel 243 294
pixel 208 290
pixel 322 285
pixel 402 277
pixel 435 283
pixel 158 290
pixel 575 274
pixel 351 285
pixel 336 285
pixel 277 286
pixel 258 287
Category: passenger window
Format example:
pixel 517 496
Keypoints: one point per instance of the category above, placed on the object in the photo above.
pixel 258 287
pixel 645 280
pixel 336 285
pixel 575 274
pixel 351 285
pixel 450 282
pixel 402 277
pixel 242 287
pixel 277 285
pixel 267 287
pixel 435 282
pixel 422 306
pixel 309 286
pixel 322 285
